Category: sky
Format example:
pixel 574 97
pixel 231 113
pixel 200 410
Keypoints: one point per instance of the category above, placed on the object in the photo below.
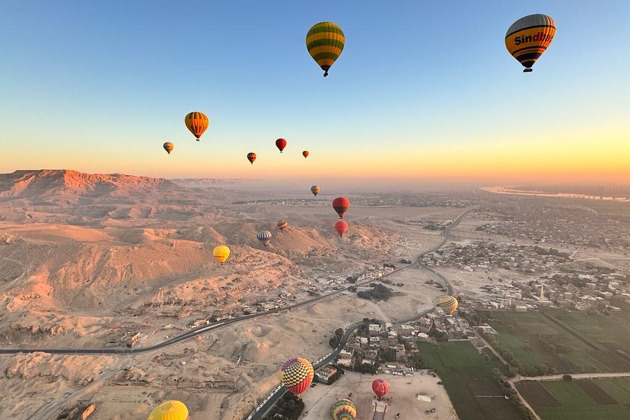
pixel 424 92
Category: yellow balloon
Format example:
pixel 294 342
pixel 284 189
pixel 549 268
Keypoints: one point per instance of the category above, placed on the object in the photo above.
pixel 221 253
pixel 325 42
pixel 528 38
pixel 448 304
pixel 170 410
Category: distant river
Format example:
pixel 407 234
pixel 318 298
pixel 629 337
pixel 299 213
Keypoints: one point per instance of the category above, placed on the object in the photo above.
pixel 505 190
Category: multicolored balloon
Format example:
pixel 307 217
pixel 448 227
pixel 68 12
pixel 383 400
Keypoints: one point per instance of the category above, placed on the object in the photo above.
pixel 197 123
pixel 305 153
pixel 170 410
pixel 281 144
pixel 282 224
pixel 221 253
pixel 297 375
pixel 448 304
pixel 251 157
pixel 315 190
pixel 168 146
pixel 380 387
pixel 528 38
pixel 341 205
pixel 344 409
pixel 341 226
pixel 264 237
pixel 325 42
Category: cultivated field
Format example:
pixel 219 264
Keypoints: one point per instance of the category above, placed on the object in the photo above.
pixel 605 399
pixel 569 342
pixel 468 378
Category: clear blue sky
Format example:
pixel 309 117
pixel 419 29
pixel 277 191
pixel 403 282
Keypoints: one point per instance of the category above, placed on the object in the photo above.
pixel 98 86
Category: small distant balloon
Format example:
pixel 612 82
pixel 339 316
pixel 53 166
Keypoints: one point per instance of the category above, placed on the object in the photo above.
pixel 168 146
pixel 197 123
pixel 221 253
pixel 325 42
pixel 528 38
pixel 281 144
pixel 282 224
pixel 170 410
pixel 315 190
pixel 341 205
pixel 251 157
pixel 341 226
pixel 305 154
pixel 448 304
pixel 264 237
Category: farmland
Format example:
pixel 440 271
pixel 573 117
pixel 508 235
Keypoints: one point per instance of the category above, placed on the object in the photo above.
pixel 596 399
pixel 554 341
pixel 469 380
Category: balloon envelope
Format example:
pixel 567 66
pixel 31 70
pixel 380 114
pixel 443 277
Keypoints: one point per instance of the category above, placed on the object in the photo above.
pixel 282 224
pixel 297 375
pixel 448 304
pixel 315 190
pixel 251 157
pixel 170 410
pixel 221 253
pixel 325 42
pixel 264 236
pixel 168 146
pixel 305 153
pixel 281 144
pixel 344 409
pixel 528 38
pixel 341 205
pixel 380 387
pixel 197 122
pixel 341 226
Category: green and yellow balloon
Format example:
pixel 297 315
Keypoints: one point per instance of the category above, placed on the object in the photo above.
pixel 325 42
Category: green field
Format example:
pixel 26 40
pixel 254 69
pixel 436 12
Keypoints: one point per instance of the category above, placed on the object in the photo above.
pixel 597 399
pixel 468 378
pixel 567 342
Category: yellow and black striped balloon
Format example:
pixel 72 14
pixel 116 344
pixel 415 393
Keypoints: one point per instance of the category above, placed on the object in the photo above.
pixel 528 38
pixel 197 122
pixel 325 42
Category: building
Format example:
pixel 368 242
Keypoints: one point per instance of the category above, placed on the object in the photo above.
pixel 324 373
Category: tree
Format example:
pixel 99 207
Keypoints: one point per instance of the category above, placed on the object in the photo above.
pixel 567 378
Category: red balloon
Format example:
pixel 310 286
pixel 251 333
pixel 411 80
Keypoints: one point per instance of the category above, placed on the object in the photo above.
pixel 341 205
pixel 341 227
pixel 251 157
pixel 281 144
pixel 380 387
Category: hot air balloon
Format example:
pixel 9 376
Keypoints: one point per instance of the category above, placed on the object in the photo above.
pixel 448 304
pixel 251 157
pixel 325 42
pixel 282 224
pixel 380 387
pixel 264 236
pixel 341 205
pixel 529 37
pixel 281 144
pixel 168 146
pixel 305 154
pixel 197 122
pixel 315 190
pixel 221 253
pixel 344 409
pixel 297 374
pixel 341 226
pixel 170 410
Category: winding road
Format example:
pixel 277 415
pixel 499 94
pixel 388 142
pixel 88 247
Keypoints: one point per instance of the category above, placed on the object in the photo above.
pixel 279 391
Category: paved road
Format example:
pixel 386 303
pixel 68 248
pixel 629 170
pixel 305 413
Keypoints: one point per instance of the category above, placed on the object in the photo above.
pixel 279 391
